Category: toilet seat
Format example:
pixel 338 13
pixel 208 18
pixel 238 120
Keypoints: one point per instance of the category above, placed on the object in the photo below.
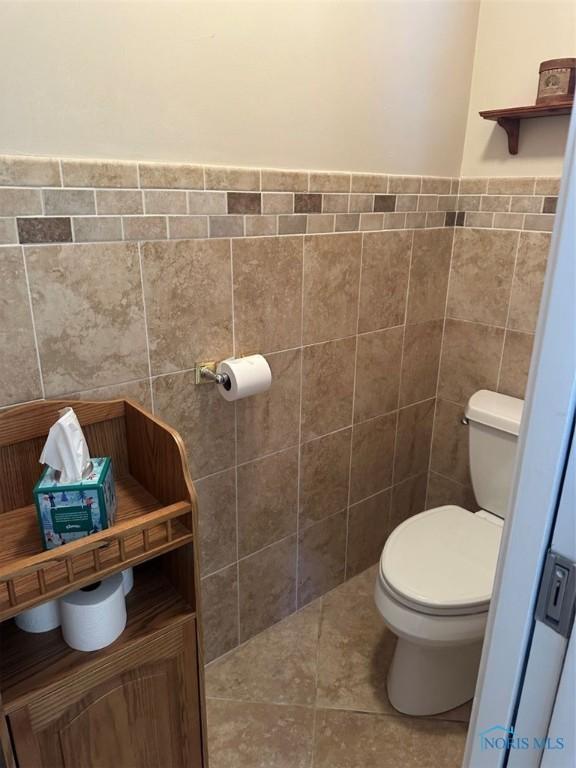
pixel 443 561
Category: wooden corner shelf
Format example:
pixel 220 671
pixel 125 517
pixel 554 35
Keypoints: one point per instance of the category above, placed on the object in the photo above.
pixel 510 118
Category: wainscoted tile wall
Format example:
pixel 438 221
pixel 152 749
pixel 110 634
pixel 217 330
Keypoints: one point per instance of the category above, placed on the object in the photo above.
pixel 298 488
pixel 47 200
pixel 496 280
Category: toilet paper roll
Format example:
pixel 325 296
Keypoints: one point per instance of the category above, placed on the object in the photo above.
pixel 128 580
pixel 247 376
pixel 42 618
pixel 95 616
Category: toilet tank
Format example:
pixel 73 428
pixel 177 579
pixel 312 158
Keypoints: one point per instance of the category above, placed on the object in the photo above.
pixel 494 424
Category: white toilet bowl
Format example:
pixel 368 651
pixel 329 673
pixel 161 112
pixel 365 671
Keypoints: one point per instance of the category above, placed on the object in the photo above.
pixel 437 570
pixel 433 591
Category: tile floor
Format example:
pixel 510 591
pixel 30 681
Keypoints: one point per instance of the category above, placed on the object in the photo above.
pixel 310 692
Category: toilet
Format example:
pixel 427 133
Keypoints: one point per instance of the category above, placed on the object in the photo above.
pixel 437 570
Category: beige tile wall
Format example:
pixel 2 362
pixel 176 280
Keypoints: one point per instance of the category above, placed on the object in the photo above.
pixel 496 280
pixel 299 487
pixel 324 463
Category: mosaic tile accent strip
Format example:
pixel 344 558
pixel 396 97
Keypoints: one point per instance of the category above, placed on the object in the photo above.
pixel 158 201
pixel 527 203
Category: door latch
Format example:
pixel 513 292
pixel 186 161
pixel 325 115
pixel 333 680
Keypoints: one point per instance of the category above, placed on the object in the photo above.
pixel 557 597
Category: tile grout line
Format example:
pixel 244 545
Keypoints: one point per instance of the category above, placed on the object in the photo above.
pixel 254 701
pixel 146 326
pixel 316 676
pixel 232 309
pixel 376 493
pixel 287 447
pixel 359 302
pixel 273 544
pixel 399 400
pixel 95 200
pixel 516 252
pixel 452 249
pixel 165 237
pixel 33 319
pixel 451 479
pixel 262 632
pixel 300 408
pixel 307 528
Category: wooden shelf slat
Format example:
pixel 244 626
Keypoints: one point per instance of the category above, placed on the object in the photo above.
pixel 509 118
pixel 138 535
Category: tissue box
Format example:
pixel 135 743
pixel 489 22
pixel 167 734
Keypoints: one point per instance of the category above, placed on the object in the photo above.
pixel 70 511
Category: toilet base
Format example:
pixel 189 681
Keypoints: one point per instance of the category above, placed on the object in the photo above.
pixel 427 680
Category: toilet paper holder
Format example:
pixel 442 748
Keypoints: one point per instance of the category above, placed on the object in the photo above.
pixel 236 377
pixel 206 374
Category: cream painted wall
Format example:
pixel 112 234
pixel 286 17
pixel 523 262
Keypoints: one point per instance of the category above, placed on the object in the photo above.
pixel 514 36
pixel 326 84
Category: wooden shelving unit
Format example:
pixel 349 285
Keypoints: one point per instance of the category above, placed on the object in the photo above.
pixel 143 693
pixel 29 663
pixel 510 117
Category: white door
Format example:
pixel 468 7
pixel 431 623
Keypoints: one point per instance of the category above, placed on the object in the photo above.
pixel 524 669
pixel 536 737
pixel 564 713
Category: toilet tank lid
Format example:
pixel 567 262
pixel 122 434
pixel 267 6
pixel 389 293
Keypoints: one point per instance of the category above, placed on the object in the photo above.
pixel 495 410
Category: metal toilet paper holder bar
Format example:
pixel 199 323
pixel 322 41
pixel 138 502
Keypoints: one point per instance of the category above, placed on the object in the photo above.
pixel 206 374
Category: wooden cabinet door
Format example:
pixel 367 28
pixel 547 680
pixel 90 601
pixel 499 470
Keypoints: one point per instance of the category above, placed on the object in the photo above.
pixel 145 715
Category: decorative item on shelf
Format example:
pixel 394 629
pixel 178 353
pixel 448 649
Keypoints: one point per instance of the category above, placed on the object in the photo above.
pixel 555 98
pixel 557 81
pixel 75 495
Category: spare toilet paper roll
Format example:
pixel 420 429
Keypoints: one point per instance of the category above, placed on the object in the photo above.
pixel 95 616
pixel 128 580
pixel 247 376
pixel 43 618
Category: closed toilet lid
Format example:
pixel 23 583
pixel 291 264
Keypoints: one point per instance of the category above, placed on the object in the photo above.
pixel 444 558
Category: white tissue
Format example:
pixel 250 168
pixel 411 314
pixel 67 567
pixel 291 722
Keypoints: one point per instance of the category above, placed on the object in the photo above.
pixel 65 449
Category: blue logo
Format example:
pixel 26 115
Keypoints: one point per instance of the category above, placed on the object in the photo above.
pixel 498 737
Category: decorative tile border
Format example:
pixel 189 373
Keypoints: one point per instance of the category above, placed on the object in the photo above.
pixel 527 203
pixel 45 200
